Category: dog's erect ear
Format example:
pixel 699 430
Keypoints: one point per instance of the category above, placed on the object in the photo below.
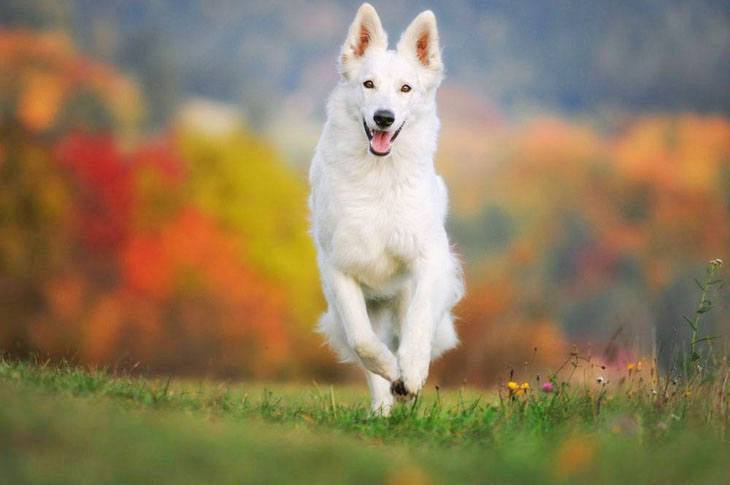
pixel 366 32
pixel 421 41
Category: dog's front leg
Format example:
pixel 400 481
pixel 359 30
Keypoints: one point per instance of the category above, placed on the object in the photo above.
pixel 417 329
pixel 382 399
pixel 350 306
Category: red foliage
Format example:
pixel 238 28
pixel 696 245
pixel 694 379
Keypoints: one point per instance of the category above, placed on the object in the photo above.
pixel 191 260
pixel 103 186
pixel 162 157
pixel 174 292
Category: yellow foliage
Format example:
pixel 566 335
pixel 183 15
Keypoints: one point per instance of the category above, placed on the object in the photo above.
pixel 239 180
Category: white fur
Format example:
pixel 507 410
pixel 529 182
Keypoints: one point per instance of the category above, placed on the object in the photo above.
pixel 388 273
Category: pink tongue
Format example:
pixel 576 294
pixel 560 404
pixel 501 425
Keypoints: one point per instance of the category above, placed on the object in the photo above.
pixel 381 141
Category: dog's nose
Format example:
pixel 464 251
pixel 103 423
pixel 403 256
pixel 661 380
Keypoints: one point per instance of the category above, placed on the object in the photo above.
pixel 384 118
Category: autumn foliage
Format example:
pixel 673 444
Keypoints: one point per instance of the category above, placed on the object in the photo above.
pixel 585 235
pixel 188 252
pixel 111 255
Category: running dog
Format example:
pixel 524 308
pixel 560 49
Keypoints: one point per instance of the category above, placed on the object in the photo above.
pixel 378 210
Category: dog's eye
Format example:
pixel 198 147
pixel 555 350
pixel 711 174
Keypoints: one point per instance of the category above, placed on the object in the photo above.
pixel 368 84
pixel 405 88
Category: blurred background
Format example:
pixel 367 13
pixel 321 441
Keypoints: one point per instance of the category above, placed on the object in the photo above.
pixel 153 160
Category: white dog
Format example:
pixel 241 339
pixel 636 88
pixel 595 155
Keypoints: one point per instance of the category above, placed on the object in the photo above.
pixel 378 210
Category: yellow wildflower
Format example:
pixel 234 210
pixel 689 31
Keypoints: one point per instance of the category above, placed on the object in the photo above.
pixel 512 386
pixel 525 386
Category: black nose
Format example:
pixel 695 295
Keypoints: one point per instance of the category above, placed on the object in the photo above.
pixel 384 118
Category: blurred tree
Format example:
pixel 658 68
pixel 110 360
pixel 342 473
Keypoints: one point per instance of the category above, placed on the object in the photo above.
pixel 105 254
pixel 39 76
pixel 48 88
pixel 210 309
pixel 34 214
pixel 240 181
pixel 612 228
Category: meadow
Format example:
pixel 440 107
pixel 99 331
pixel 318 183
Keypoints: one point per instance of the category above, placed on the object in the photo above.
pixel 62 424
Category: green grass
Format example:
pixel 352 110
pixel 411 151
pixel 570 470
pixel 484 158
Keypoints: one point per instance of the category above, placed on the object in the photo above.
pixel 65 424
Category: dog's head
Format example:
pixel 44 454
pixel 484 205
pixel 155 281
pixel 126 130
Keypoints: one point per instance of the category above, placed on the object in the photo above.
pixel 386 88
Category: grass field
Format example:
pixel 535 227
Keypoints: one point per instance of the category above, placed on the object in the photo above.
pixel 64 424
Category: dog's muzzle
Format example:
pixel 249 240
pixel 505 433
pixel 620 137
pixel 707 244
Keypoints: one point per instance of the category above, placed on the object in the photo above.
pixel 381 141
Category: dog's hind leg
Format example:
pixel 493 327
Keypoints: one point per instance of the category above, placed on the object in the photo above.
pixel 382 399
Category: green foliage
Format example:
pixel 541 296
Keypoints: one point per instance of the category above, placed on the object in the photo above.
pixel 698 359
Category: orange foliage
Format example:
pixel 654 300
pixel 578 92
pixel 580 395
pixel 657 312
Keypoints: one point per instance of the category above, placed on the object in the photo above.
pixel 680 167
pixel 190 258
pixel 41 73
pixel 497 340
pixel 40 100
pixel 599 219
pixel 682 154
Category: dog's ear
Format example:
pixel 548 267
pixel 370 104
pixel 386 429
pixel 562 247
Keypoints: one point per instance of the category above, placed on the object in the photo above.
pixel 366 32
pixel 420 41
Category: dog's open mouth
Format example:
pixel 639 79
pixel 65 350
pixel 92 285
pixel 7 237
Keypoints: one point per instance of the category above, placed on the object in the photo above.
pixel 381 141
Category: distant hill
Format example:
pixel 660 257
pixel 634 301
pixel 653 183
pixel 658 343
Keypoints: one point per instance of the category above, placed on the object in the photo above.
pixel 562 55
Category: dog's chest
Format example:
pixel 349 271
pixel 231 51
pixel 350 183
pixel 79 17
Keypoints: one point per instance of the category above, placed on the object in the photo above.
pixel 378 233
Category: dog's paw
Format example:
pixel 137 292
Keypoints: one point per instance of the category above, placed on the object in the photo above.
pixel 398 389
pixel 414 372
